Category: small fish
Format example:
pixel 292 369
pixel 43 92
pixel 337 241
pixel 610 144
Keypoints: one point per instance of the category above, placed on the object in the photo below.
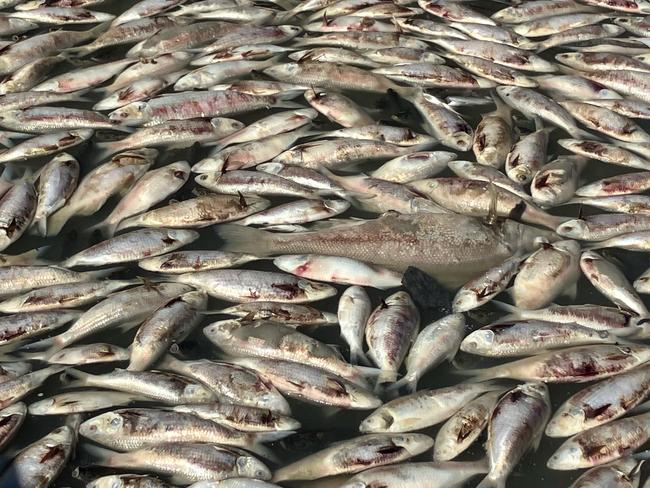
pixel 354 309
pixel 80 402
pixel 423 408
pixel 601 444
pixel 464 427
pixel 354 455
pixel 609 280
pixel 516 424
pixel 180 262
pixel 437 342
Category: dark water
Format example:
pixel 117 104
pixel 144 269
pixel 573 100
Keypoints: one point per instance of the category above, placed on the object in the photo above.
pixel 321 426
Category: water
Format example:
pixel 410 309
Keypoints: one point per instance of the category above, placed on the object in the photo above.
pixel 321 426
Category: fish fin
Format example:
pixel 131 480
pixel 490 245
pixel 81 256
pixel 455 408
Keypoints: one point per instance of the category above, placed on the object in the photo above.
pixel 408 382
pixel 264 452
pixel 58 219
pixel 245 239
pixel 81 378
pixel 357 356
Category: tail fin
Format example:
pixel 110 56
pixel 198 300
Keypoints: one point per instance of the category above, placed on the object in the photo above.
pixel 245 239
pixel 81 378
pixel 100 455
pixel 103 150
pixel 408 382
pixel 488 482
pixel 357 356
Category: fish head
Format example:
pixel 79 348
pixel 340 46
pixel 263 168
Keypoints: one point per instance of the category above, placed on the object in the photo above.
pixel 316 291
pixel 568 58
pixel 250 467
pixel 273 168
pixel 226 126
pixel 566 422
pixel 478 341
pixel 221 330
pixel 567 457
pixel 574 229
pixel 198 300
pixel 198 393
pixel 132 113
pixel 214 163
pixel 103 425
pixel 537 390
pixel 464 301
pixel 180 236
pixel 282 71
pixel 361 398
pixel 378 421
pixel 413 443
pixel 296 264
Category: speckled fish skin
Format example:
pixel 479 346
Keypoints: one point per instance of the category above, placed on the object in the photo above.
pixel 198 212
pixel 418 475
pixel 41 462
pixel 573 365
pixel 539 9
pixel 80 402
pixel 21 326
pixel 484 288
pixel 354 455
pixel 311 384
pixel 180 262
pixel 28 76
pixel 232 383
pixel 437 342
pixel 20 278
pixel 390 331
pixel 423 408
pixel 415 166
pixel 601 227
pixel 154 187
pixel 89 354
pixel 473 198
pixel 529 337
pixel 546 274
pixel 354 309
pixel 127 481
pixel 280 342
pixel 132 246
pixel 609 280
pixel 171 323
pixel 594 316
pixel 129 306
pixel 623 473
pixel 187 463
pixel 600 403
pixel 68 295
pixel 11 419
pixel 517 423
pixel 293 314
pixel 112 177
pixel 56 183
pixel 128 429
pixel 13 390
pixel 452 248
pixel 602 444
pixel 338 270
pixel 527 156
pixel 606 121
pixel 464 427
pixel 241 417
pixel 250 285
pixel 167 388
pixel 17 209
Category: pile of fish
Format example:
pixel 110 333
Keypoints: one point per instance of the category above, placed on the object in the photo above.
pixel 257 243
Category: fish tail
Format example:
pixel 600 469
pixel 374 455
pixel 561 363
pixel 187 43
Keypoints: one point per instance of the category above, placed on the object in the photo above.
pixel 81 378
pixel 385 376
pixel 488 482
pixel 41 226
pixel 263 452
pixel 357 356
pixel 103 150
pixel 58 219
pixel 408 382
pixel 479 375
pixel 506 307
pixel 245 239
pixel 100 455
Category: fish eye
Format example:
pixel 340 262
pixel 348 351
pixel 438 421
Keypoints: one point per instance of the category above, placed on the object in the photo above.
pixel 115 422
